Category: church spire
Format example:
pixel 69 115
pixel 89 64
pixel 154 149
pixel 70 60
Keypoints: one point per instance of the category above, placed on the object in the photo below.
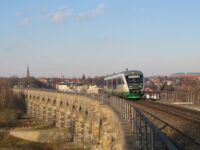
pixel 27 72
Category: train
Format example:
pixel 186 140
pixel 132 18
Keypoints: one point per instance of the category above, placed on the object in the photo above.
pixel 128 84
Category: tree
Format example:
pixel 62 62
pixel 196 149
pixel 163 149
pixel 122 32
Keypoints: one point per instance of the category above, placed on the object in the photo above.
pixel 7 98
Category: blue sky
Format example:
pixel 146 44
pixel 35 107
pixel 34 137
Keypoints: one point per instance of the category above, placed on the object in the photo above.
pixel 99 37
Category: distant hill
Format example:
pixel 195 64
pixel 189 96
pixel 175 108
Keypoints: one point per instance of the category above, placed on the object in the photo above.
pixel 186 74
pixel 23 82
pixel 193 73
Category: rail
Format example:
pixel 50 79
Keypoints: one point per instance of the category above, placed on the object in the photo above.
pixel 184 113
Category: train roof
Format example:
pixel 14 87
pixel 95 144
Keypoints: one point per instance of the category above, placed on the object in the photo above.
pixel 132 72
pixel 127 72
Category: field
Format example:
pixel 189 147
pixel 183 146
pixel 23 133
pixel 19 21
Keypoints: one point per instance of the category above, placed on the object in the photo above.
pixel 9 142
pixel 9 120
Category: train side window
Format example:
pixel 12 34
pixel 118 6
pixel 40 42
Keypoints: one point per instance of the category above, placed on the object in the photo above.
pixel 119 81
pixel 114 83
pixel 122 80
pixel 104 82
pixel 109 83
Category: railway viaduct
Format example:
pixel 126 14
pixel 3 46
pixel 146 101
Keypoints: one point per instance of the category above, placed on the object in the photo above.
pixel 85 120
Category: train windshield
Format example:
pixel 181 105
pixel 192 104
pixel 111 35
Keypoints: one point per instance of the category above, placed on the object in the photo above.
pixel 135 81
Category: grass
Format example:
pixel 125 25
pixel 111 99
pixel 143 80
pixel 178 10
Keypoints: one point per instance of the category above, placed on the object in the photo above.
pixel 8 141
pixel 10 119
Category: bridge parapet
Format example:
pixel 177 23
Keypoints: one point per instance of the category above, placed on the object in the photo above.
pixel 147 136
pixel 180 97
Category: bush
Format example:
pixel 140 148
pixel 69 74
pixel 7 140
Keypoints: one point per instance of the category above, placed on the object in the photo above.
pixel 9 117
pixel 7 99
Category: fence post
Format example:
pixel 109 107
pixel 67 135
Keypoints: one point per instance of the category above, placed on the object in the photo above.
pixel 120 106
pixel 122 109
pixel 132 119
pixel 145 136
pixel 125 111
pixel 140 131
pixel 152 139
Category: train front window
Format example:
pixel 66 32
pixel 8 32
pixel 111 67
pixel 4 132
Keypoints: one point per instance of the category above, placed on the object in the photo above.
pixel 134 81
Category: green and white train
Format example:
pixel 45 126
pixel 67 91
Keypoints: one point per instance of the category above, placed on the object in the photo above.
pixel 127 84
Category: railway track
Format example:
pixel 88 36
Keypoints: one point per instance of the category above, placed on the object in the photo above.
pixel 187 114
pixel 160 113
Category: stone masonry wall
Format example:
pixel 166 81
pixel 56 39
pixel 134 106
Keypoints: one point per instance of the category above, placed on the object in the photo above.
pixel 85 120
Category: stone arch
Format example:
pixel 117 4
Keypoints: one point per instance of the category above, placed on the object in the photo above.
pixel 100 122
pixel 61 104
pixel 73 107
pixel 67 103
pixel 43 100
pixel 54 103
pixel 80 109
pixel 52 100
pixel 48 101
pixel 86 112
pixel 22 95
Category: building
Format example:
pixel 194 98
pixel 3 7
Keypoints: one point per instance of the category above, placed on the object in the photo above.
pixel 64 87
pixel 77 88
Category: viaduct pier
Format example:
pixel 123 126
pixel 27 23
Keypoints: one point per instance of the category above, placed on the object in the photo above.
pixel 86 121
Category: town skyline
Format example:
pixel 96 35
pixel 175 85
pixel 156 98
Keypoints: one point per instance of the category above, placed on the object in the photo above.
pixel 98 37
pixel 64 76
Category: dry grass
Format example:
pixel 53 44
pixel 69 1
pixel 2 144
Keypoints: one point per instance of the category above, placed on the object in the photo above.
pixel 10 142
pixel 9 119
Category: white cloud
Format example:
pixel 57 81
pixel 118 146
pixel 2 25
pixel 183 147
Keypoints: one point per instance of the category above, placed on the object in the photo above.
pixel 18 13
pixel 25 22
pixel 61 15
pixel 91 14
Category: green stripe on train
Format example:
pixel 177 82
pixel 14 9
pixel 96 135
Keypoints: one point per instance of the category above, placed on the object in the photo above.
pixel 129 95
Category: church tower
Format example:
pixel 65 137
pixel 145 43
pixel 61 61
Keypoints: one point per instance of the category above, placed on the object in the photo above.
pixel 27 72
